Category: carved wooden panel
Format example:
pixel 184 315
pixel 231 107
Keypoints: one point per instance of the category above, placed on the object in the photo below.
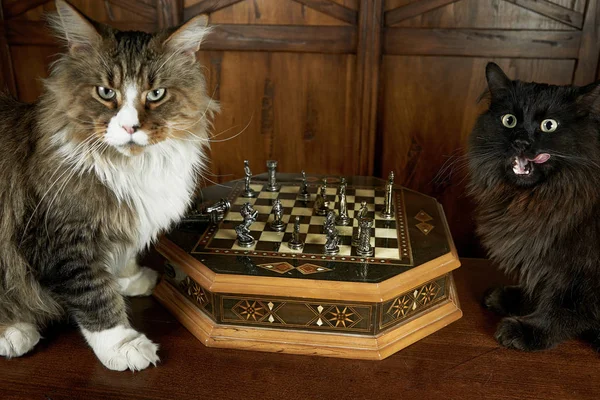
pixel 295 78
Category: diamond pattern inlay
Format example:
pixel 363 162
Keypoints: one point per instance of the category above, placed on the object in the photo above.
pixel 280 268
pixel 423 216
pixel 308 269
pixel 425 227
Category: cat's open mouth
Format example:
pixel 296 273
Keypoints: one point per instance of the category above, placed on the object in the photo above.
pixel 524 166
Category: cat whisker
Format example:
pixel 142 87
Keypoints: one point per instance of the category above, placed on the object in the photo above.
pixel 205 110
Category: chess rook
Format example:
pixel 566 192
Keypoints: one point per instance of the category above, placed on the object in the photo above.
pixel 248 192
pixel 388 202
pixel 364 247
pixel 360 214
pixel 249 214
pixel 343 218
pixel 303 192
pixel 295 242
pixel 277 224
pixel 272 185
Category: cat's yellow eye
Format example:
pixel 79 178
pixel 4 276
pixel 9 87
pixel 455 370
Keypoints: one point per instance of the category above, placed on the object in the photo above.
pixel 105 93
pixel 156 94
pixel 549 125
pixel 509 120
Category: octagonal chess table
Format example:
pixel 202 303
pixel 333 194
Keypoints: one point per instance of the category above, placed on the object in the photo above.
pixel 270 297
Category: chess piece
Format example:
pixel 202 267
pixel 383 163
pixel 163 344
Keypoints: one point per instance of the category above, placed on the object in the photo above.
pixel 249 214
pixel 388 202
pixel 277 224
pixel 303 193
pixel 360 214
pixel 333 239
pixel 272 185
pixel 248 191
pixel 343 218
pixel 321 206
pixel 364 247
pixel 212 214
pixel 295 242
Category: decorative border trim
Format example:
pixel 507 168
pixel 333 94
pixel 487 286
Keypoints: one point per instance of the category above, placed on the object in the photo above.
pixel 309 314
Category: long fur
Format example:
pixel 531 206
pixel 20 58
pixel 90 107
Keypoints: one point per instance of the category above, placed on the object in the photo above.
pixel 544 228
pixel 77 208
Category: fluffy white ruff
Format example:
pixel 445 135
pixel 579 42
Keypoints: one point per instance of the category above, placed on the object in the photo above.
pixel 18 339
pixel 139 284
pixel 157 184
pixel 122 348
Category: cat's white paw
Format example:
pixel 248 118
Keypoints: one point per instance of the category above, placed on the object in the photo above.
pixel 140 284
pixel 18 339
pixel 122 348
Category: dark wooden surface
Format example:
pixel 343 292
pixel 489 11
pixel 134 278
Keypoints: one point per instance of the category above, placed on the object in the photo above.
pixel 462 361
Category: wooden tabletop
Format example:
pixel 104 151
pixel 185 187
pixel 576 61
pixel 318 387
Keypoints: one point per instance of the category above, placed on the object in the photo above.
pixel 462 361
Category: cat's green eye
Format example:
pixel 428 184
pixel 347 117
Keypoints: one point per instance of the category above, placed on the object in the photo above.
pixel 549 125
pixel 105 93
pixel 509 120
pixel 156 94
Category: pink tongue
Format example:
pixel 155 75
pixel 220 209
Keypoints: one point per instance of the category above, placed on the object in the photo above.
pixel 540 158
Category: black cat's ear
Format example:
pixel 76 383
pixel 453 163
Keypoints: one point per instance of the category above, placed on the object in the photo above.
pixel 496 79
pixel 74 27
pixel 188 37
pixel 589 96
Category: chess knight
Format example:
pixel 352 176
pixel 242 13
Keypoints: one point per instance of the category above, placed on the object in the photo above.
pixel 243 230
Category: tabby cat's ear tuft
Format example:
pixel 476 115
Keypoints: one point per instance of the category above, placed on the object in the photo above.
pixel 72 26
pixel 188 37
pixel 497 79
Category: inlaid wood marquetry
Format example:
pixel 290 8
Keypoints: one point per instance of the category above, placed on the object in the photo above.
pixel 271 299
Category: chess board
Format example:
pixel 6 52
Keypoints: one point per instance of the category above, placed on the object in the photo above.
pixel 389 237
pixel 269 297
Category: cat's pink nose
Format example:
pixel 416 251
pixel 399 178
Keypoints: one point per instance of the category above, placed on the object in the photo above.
pixel 130 129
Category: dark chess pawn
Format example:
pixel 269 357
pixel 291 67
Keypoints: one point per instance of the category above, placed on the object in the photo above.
pixel 364 247
pixel 360 214
pixel 321 206
pixel 303 192
pixel 333 239
pixel 244 238
pixel 248 191
pixel 277 224
pixel 295 242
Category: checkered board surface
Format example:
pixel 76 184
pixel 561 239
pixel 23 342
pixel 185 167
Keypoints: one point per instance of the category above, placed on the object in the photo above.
pixel 388 237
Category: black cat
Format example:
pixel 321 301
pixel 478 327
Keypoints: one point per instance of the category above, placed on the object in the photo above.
pixel 534 161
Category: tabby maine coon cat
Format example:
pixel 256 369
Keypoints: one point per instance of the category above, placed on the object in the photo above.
pixel 534 162
pixel 90 174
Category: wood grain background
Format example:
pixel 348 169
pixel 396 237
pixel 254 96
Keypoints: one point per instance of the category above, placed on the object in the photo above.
pixel 344 86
